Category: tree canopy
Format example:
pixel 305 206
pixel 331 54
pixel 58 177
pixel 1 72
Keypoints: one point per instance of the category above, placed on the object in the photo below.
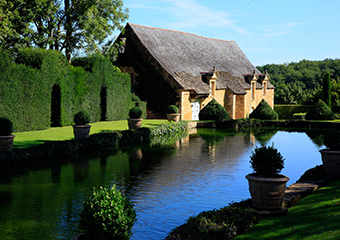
pixel 63 25
pixel 301 82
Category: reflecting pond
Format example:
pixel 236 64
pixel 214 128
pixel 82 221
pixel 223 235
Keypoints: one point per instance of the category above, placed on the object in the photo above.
pixel 202 171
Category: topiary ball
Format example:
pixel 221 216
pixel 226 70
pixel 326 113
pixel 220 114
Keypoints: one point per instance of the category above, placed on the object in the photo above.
pixel 320 111
pixel 172 109
pixel 213 111
pixel 82 118
pixel 135 113
pixel 6 126
pixel 264 112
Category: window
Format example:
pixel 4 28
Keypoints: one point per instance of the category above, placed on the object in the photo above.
pixel 253 88
pixel 264 88
pixel 212 88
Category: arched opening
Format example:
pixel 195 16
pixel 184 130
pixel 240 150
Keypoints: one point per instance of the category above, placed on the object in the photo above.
pixel 103 104
pixel 56 106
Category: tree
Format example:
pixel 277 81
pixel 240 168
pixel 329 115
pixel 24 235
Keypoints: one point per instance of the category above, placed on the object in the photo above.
pixel 63 25
pixel 327 90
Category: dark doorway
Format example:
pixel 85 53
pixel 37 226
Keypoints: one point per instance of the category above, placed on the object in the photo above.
pixel 103 104
pixel 56 106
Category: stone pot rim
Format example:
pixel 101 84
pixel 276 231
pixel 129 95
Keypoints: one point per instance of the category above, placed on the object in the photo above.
pixel 329 150
pixel 135 119
pixel 7 136
pixel 279 178
pixel 82 126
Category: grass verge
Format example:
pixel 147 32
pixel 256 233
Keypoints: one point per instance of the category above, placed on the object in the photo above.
pixel 316 216
pixel 33 138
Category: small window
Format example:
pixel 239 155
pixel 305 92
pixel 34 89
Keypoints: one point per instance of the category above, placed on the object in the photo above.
pixel 264 88
pixel 253 88
pixel 212 88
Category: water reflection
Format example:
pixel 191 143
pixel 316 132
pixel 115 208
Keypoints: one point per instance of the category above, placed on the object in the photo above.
pixel 199 172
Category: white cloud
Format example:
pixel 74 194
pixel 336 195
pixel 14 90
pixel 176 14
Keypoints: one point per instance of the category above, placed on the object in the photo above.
pixel 190 14
pixel 278 30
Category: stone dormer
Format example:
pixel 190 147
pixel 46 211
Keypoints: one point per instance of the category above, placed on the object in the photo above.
pixel 210 78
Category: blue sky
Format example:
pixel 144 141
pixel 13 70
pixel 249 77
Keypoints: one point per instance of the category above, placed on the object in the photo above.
pixel 266 31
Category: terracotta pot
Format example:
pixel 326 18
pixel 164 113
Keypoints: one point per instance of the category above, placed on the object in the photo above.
pixel 81 131
pixel 267 192
pixel 6 142
pixel 331 161
pixel 174 117
pixel 135 123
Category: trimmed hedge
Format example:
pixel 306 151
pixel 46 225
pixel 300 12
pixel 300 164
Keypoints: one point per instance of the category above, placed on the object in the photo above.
pixel 41 89
pixel 320 111
pixel 264 112
pixel 213 111
pixel 288 111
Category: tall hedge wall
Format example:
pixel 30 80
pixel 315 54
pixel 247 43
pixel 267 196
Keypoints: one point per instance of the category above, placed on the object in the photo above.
pixel 41 88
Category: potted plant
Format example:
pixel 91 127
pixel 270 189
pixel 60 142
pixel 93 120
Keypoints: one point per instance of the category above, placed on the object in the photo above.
pixel 135 120
pixel 172 113
pixel 6 137
pixel 266 185
pixel 331 155
pixel 81 129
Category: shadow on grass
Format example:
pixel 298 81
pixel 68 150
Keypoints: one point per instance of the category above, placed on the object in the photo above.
pixel 27 144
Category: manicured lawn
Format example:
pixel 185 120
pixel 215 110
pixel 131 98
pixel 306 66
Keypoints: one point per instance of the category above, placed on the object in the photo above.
pixel 28 139
pixel 315 217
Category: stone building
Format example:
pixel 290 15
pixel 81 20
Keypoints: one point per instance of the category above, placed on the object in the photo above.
pixel 172 67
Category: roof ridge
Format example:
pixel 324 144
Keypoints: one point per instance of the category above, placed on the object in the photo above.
pixel 169 30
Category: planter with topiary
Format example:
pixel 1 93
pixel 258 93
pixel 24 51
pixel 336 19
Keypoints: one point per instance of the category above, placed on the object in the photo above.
pixel 6 137
pixel 81 129
pixel 135 120
pixel 331 155
pixel 172 113
pixel 267 187
pixel 107 214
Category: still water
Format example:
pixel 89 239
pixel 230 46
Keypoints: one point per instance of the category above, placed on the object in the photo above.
pixel 203 171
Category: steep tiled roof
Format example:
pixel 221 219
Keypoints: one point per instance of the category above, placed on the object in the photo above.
pixel 185 56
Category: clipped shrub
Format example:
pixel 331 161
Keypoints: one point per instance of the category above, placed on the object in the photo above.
pixel 288 111
pixel 320 111
pixel 213 111
pixel 225 223
pixel 266 161
pixel 82 118
pixel 107 214
pixel 172 109
pixel 135 113
pixel 6 126
pixel 264 112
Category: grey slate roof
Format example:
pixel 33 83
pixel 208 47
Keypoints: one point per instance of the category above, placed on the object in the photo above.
pixel 185 56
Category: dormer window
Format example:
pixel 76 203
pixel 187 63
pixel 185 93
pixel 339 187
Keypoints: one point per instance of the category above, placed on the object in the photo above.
pixel 253 88
pixel 264 88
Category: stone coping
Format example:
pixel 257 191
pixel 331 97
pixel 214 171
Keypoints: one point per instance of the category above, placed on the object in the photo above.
pixel 299 190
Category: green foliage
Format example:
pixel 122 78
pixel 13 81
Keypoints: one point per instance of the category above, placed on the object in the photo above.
pixel 267 161
pixel 296 83
pixel 82 118
pixel 140 104
pixel 135 113
pixel 213 111
pixel 225 223
pixel 29 95
pixel 264 112
pixel 320 111
pixel 288 111
pixel 6 126
pixel 169 128
pixel 316 174
pixel 172 109
pixel 327 90
pixel 63 26
pixel 108 215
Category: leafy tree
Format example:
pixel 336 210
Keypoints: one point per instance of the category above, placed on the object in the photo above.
pixel 63 25
pixel 327 90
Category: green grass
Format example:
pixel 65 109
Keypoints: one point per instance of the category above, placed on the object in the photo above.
pixel 32 138
pixel 315 217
